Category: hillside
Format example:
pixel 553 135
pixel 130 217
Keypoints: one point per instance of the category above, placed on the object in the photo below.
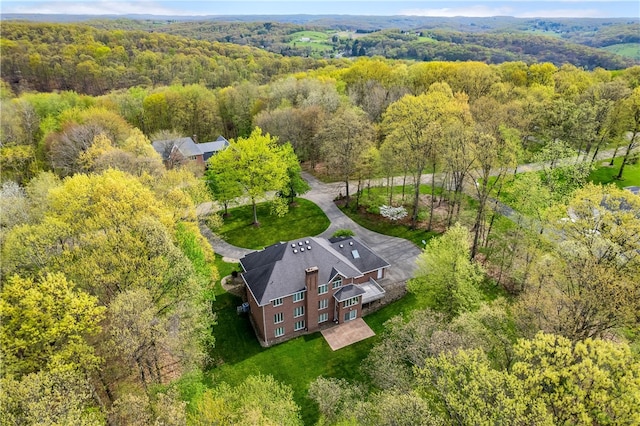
pixel 46 57
pixel 581 42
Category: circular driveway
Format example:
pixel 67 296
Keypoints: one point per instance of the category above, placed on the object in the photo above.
pixel 400 253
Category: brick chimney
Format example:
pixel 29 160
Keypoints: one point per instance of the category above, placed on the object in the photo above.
pixel 311 282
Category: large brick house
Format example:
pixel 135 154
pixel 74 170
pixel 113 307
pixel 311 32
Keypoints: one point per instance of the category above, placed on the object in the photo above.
pixel 297 287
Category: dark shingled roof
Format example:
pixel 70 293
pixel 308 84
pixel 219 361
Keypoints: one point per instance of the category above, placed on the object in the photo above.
pixel 359 254
pixel 279 270
pixel 188 148
pixel 210 148
pixel 347 292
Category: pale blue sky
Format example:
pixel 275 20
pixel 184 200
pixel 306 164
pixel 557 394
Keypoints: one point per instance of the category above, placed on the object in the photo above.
pixel 474 8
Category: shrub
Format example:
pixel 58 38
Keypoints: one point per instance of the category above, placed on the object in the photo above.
pixel 343 233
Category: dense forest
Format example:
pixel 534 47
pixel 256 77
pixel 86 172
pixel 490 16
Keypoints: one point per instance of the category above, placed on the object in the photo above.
pixel 108 283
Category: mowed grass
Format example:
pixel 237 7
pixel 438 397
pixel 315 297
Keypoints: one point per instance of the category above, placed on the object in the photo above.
pixel 296 363
pixel 629 50
pixel 303 219
pixel 373 198
pixel 313 35
pixel 605 174
pixel 318 41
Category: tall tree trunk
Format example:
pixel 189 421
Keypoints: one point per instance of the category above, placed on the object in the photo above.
pixel 143 376
pixel 477 228
pixel 404 183
pixel 346 185
pixel 626 154
pixel 615 152
pixel 255 212
pixel 416 199
pixel 391 192
pixel 595 152
pixel 433 197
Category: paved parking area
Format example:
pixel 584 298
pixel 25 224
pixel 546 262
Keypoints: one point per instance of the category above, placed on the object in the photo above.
pixel 347 333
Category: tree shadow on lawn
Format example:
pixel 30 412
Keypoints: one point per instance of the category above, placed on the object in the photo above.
pixel 235 339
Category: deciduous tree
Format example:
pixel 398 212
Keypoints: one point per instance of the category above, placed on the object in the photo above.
pixel 256 164
pixel 257 400
pixel 45 324
pixel 465 388
pixel 345 136
pixel 445 270
pixel 585 382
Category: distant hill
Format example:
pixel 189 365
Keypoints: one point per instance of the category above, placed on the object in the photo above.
pixel 610 43
pixel 46 57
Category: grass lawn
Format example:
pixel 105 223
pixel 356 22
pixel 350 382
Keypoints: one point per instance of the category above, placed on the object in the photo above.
pixel 372 199
pixel 317 41
pixel 303 220
pixel 630 50
pixel 605 174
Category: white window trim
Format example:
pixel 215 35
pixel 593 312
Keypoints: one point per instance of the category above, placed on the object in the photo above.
pixel 299 294
pixel 281 329
pixel 337 283
pixel 324 287
pixel 324 317
pixel 351 302
pixel 299 325
pixel 279 315
pixel 277 302
pixel 324 302
pixel 298 312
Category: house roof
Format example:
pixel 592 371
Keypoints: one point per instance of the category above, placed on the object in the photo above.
pixel 188 148
pixel 347 292
pixel 359 254
pixel 279 270
pixel 215 146
pixel 633 189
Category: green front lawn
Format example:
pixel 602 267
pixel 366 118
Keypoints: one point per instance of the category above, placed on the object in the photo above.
pixel 368 215
pixel 303 220
pixel 605 174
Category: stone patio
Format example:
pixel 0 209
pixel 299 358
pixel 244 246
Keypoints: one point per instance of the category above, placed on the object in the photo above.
pixel 347 333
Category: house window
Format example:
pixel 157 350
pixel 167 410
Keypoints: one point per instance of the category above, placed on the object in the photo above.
pixel 298 312
pixel 351 302
pixel 323 317
pixel 322 289
pixel 299 325
pixel 323 304
pixel 336 283
pixel 278 318
pixel 277 302
pixel 298 296
pixel 351 315
pixel 279 331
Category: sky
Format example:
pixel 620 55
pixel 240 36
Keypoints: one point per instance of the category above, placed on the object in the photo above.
pixel 471 8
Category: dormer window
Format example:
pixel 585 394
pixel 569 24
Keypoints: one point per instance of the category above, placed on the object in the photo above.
pixel 336 283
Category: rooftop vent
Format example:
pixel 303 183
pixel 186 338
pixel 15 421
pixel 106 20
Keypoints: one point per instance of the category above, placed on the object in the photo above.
pixel 300 243
pixel 293 245
pixel 306 241
pixel 341 245
pixel 295 251
pixel 350 243
pixel 308 247
pixel 302 249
